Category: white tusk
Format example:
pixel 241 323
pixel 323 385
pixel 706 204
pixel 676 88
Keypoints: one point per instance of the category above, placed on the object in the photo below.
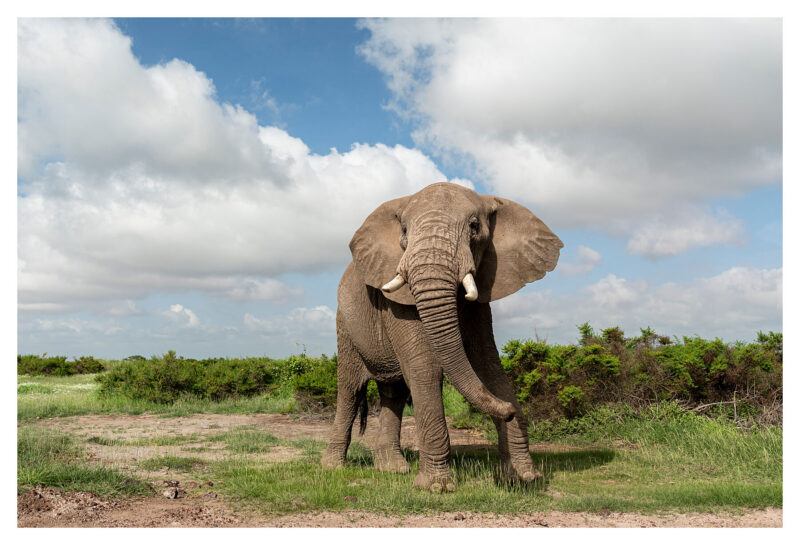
pixel 396 283
pixel 472 289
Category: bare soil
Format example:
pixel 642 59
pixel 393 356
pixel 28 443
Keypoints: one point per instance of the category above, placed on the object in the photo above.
pixel 197 505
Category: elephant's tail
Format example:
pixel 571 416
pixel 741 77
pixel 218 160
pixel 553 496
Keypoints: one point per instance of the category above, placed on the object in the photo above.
pixel 363 410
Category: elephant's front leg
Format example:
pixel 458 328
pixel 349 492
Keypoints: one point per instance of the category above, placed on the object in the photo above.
pixel 512 436
pixel 434 441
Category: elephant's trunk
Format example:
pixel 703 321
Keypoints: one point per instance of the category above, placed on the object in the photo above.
pixel 434 284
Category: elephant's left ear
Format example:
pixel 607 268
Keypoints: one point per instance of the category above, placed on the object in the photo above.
pixel 376 249
pixel 521 249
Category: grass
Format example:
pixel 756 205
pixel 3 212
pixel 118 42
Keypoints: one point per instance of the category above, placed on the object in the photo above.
pixel 662 459
pixel 181 463
pixel 250 440
pixel 246 440
pixel 47 458
pixel 34 389
pixel 156 441
pixel 50 397
pixel 706 466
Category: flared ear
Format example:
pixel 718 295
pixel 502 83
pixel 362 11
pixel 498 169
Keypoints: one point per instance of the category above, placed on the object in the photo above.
pixel 376 249
pixel 521 249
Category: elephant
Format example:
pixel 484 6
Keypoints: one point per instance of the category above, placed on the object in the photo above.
pixel 413 306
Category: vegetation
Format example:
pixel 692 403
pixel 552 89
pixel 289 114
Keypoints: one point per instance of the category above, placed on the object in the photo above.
pixel 740 380
pixel 702 464
pixel 156 441
pixel 57 365
pixel 49 458
pixel 602 459
pixel 603 414
pixel 181 463
pixel 79 394
pixel 170 378
pixel 554 381
pixel 557 385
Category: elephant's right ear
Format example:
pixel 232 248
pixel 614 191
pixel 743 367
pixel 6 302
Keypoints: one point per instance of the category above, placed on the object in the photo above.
pixel 376 249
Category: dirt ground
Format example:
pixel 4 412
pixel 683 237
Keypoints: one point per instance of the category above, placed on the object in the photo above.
pixel 195 504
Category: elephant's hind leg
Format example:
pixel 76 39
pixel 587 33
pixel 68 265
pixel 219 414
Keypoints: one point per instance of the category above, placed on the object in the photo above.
pixel 352 391
pixel 388 456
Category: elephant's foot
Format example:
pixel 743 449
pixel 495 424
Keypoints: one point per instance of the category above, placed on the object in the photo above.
pixel 523 472
pixel 435 482
pixel 390 459
pixel 332 459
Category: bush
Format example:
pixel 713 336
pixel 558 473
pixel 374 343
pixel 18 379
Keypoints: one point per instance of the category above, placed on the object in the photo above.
pixel 556 381
pixel 33 364
pixel 314 378
pixel 170 377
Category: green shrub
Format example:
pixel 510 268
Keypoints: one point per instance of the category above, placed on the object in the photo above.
pixel 571 398
pixel 223 378
pixel 554 381
pixel 314 378
pixel 33 364
pixel 170 377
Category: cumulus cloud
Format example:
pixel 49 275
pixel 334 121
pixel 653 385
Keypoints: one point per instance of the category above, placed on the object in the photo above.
pixel 136 179
pixel 669 236
pixel 732 305
pixel 592 122
pixel 182 315
pixel 587 260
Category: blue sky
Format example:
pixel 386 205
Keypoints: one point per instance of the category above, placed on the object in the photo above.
pixel 178 187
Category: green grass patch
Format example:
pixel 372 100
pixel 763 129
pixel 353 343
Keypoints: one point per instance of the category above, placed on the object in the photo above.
pixel 156 441
pixel 47 458
pixel 246 440
pixel 181 463
pixel 576 479
pixel 26 389
pixel 78 395
pixel 657 460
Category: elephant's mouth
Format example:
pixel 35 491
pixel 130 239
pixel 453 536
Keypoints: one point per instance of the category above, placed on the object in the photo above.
pixel 471 289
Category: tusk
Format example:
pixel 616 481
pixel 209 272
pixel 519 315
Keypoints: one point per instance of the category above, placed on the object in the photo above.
pixel 396 283
pixel 472 289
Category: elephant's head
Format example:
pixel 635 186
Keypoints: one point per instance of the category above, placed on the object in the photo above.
pixel 422 249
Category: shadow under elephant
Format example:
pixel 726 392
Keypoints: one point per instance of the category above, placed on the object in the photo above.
pixel 469 462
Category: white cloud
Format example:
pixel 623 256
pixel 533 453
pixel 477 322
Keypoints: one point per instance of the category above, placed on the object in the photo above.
pixel 732 305
pixel 127 307
pixel 182 315
pixel 72 327
pixel 611 292
pixel 137 179
pixel 667 236
pixel 588 259
pixel 319 321
pixel 593 122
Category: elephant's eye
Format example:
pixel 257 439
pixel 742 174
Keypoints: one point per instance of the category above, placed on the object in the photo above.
pixel 403 229
pixel 475 225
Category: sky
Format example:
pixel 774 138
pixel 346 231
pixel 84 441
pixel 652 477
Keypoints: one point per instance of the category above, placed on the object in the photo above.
pixel 192 184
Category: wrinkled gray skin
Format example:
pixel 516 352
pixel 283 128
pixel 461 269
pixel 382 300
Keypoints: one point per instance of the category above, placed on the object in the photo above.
pixel 407 339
